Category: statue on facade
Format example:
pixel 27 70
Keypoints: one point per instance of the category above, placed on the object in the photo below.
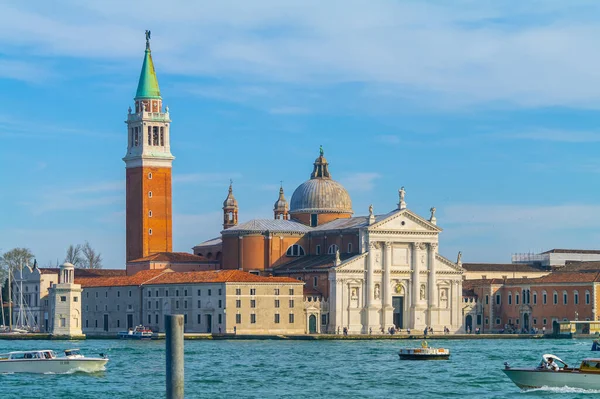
pixel 167 109
pixel 377 292
pixel 432 210
pixel 321 150
pixel 147 35
pixel 422 292
pixel 129 109
pixel 402 192
pixel 370 209
pixel 337 256
pixel 459 258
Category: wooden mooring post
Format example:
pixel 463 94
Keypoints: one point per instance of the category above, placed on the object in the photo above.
pixel 174 340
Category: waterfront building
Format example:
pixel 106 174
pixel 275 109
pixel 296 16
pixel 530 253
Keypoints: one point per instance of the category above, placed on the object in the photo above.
pixel 65 304
pixel 484 271
pixel 521 304
pixel 224 301
pixel 367 273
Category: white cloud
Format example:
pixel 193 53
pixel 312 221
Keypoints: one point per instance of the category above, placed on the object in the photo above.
pixel 453 55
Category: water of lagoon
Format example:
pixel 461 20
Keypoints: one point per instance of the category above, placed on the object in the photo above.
pixel 298 369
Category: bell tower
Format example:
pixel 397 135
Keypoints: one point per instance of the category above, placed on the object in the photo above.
pixel 148 168
pixel 230 209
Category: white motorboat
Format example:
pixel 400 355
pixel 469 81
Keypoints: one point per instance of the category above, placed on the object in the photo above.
pixel 140 332
pixel 424 353
pixel 46 362
pixel 587 376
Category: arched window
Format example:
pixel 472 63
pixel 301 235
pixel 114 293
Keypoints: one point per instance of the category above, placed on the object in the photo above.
pixel 516 299
pixel 510 298
pixel 498 299
pixel 576 297
pixel 544 297
pixel 332 249
pixel 565 297
pixel 555 295
pixel 587 297
pixel 295 250
pixel 534 297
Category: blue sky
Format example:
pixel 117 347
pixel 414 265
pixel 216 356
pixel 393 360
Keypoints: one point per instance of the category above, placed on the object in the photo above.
pixel 487 110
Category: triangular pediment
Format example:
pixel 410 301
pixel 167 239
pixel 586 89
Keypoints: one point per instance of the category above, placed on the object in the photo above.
pixel 356 263
pixel 445 265
pixel 404 220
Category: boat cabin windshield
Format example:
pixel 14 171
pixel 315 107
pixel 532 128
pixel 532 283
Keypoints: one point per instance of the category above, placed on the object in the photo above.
pixel 72 352
pixel 32 355
pixel 590 365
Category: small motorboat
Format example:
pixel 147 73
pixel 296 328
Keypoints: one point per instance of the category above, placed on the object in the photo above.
pixel 596 345
pixel 553 372
pixel 140 332
pixel 46 362
pixel 424 353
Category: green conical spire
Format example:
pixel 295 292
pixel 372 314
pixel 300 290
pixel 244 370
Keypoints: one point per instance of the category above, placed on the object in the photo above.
pixel 148 84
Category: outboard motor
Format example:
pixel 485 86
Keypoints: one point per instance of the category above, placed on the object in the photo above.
pixel 506 366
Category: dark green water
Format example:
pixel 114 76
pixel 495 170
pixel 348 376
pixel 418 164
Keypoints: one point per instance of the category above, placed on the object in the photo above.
pixel 298 369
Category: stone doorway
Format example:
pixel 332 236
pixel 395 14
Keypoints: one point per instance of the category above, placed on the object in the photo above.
pixel 398 305
pixel 312 324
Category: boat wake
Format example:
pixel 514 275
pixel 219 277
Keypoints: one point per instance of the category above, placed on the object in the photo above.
pixel 77 370
pixel 564 390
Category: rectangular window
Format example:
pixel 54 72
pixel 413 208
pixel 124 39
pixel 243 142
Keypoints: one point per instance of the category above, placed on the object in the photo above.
pixel 276 291
pixel 149 133
pixel 277 318
pixel 199 318
pixel 253 318
pixel 324 319
pixel 63 299
pixel 318 250
pixel 118 294
pixel 176 304
pixel 252 291
pixel 130 293
pixel 565 297
pixel 498 299
pixel 149 319
pixel 156 293
pixel 87 324
pixel 587 298
pixel 185 318
pixel 315 281
pixel 149 304
pixel 534 321
pixel 155 136
pixel 185 304
pixel 156 319
pixel 167 292
pixel 534 298
pixel 220 291
pixel 184 292
pixel 291 291
pixel 220 318
pixel 291 303
pixel 498 321
pixel 96 294
pixel 478 319
pixel 209 292
pixel 556 299
pixel 220 304
pixel 516 299
pixel 199 292
pixel 106 294
pixel 156 305
pixel 544 298
pixel 544 321
pixel 487 299
pixel 176 292
pixel 487 321
pixel 252 303
pixel 238 291
pixel 349 247
pixel 75 299
pixel 162 136
pixel 238 303
pixel 149 293
pixel 199 303
pixel 276 303
pixel 238 318
pixel 118 323
pixel 576 299
pixel 291 318
pixel 96 323
pixel 314 220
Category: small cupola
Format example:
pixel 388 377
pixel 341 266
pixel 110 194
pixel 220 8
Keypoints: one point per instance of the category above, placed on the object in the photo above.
pixel 230 209
pixel 281 207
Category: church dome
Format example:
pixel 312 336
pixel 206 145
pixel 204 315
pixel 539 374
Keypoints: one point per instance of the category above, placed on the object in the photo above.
pixel 321 194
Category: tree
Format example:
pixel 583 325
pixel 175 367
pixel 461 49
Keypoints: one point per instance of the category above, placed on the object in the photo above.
pixel 74 256
pixel 15 259
pixel 92 260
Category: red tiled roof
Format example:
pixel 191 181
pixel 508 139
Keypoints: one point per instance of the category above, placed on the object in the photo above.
pixel 552 278
pixel 218 276
pixel 167 276
pixel 120 281
pixel 173 257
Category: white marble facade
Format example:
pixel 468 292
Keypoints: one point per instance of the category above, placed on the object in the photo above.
pixel 398 279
